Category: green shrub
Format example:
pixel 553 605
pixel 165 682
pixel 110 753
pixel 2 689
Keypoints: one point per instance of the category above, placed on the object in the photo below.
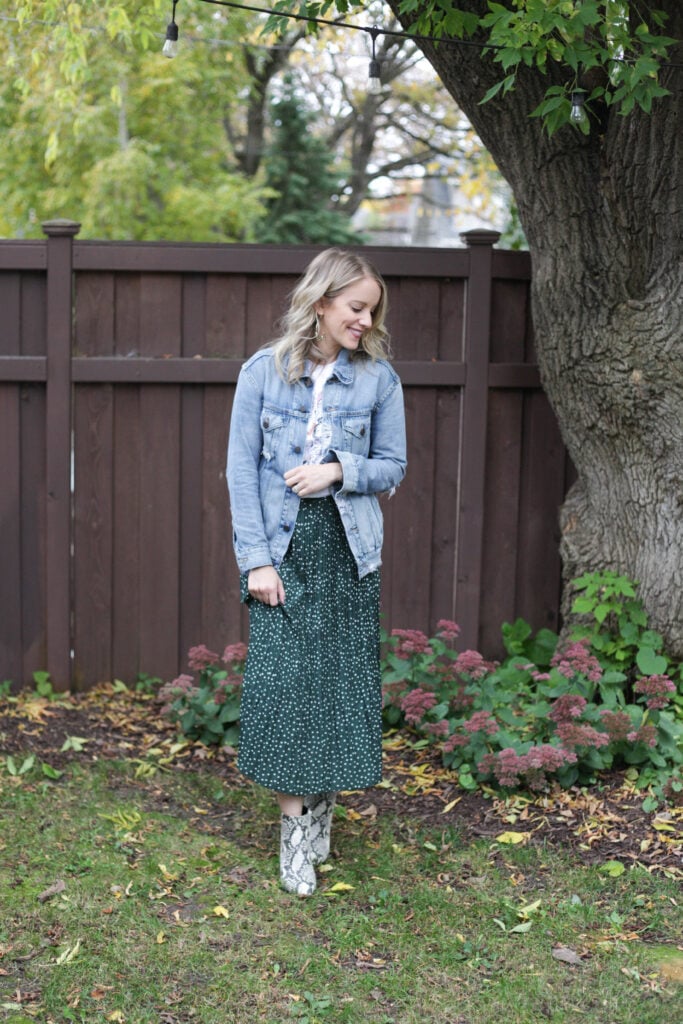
pixel 546 713
pixel 208 709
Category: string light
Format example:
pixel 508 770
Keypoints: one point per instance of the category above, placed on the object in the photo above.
pixel 170 47
pixel 577 114
pixel 375 66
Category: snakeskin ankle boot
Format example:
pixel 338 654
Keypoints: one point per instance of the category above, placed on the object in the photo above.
pixel 296 867
pixel 321 807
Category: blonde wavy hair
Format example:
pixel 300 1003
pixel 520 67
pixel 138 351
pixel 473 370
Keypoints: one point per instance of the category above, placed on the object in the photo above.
pixel 327 275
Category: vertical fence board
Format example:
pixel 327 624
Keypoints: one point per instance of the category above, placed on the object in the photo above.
pixel 11 666
pixel 220 578
pixel 10 304
pixel 159 529
pixel 413 512
pixel 33 501
pixel 226 315
pixel 93 525
pixel 473 439
pixel 542 488
pixel 58 451
pixel 191 475
pixel 501 515
pixel 446 483
pixel 33 315
pixel 93 528
pixel 128 444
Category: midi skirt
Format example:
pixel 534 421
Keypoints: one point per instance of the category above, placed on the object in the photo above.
pixel 310 717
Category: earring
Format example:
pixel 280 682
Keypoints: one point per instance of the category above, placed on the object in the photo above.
pixel 319 336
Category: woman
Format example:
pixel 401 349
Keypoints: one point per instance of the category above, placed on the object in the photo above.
pixel 317 432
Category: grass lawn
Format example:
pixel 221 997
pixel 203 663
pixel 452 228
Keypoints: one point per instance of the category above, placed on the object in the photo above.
pixel 144 890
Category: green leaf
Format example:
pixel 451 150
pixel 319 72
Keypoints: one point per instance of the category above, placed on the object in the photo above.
pixel 613 868
pixel 495 89
pixel 523 927
pixel 650 663
pixel 50 772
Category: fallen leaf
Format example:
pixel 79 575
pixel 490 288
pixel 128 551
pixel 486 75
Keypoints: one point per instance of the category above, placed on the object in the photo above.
pixel 613 868
pixel 69 954
pixel 340 887
pixel 513 838
pixel 451 805
pixel 567 956
pixel 53 890
pixel 221 912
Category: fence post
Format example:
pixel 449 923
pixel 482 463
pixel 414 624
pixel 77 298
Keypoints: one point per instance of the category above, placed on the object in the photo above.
pixel 60 235
pixel 473 435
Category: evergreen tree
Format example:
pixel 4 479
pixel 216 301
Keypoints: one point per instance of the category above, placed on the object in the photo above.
pixel 297 168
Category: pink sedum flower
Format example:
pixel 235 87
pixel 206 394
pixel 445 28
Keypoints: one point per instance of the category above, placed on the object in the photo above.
pixel 576 660
pixel 448 630
pixel 411 641
pixel 416 704
pixel 657 690
pixel 472 664
pixel 201 657
pixel 234 653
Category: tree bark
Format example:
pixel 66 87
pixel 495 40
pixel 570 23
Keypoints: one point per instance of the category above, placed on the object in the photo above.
pixel 603 215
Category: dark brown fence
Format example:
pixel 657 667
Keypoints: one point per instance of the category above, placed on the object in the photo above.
pixel 117 370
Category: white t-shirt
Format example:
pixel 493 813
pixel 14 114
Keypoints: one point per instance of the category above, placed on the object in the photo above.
pixel 319 429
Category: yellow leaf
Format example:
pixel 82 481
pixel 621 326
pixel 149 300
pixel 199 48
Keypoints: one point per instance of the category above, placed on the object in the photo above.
pixel 221 912
pixel 664 826
pixel 161 938
pixel 513 838
pixel 341 887
pixel 69 953
pixel 451 805
pixel 116 1016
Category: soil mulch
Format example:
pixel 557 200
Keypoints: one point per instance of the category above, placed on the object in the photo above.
pixel 600 823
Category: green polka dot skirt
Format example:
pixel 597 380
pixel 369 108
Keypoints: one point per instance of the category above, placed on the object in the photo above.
pixel 310 717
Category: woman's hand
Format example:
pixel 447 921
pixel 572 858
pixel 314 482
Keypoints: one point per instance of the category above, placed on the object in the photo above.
pixel 265 585
pixel 305 480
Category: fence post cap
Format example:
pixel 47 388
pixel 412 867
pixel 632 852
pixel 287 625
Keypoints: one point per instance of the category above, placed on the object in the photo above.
pixel 60 227
pixel 480 236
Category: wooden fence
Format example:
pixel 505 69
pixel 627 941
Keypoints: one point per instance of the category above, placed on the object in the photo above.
pixel 117 370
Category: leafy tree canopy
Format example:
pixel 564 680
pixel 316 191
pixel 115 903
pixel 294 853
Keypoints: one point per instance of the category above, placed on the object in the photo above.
pixel 612 49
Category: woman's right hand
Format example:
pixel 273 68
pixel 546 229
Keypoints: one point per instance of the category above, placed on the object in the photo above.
pixel 264 584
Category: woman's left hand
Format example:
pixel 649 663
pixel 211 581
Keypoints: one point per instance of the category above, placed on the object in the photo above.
pixel 305 480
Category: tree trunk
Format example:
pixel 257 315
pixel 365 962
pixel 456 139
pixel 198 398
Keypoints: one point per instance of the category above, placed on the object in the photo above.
pixel 604 218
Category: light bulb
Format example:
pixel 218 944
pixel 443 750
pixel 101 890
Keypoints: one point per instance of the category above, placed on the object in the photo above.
pixel 375 83
pixel 170 47
pixel 578 115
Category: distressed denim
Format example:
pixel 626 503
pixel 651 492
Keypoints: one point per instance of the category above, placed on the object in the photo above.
pixel 363 401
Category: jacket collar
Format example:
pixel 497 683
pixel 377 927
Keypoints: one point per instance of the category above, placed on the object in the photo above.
pixel 344 369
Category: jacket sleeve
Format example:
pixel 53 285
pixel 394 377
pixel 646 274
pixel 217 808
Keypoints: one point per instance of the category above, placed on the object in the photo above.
pixel 385 465
pixel 244 452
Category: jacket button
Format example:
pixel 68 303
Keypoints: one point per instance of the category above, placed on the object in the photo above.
pixel 362 431
pixel 286 527
pixel 265 424
pixel 302 408
pixel 297 450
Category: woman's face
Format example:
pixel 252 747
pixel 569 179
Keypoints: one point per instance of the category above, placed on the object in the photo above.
pixel 345 318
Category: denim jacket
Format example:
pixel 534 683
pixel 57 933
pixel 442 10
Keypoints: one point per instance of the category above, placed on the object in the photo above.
pixel 364 403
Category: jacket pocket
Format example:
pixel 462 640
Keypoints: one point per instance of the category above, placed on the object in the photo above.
pixel 272 429
pixel 356 435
